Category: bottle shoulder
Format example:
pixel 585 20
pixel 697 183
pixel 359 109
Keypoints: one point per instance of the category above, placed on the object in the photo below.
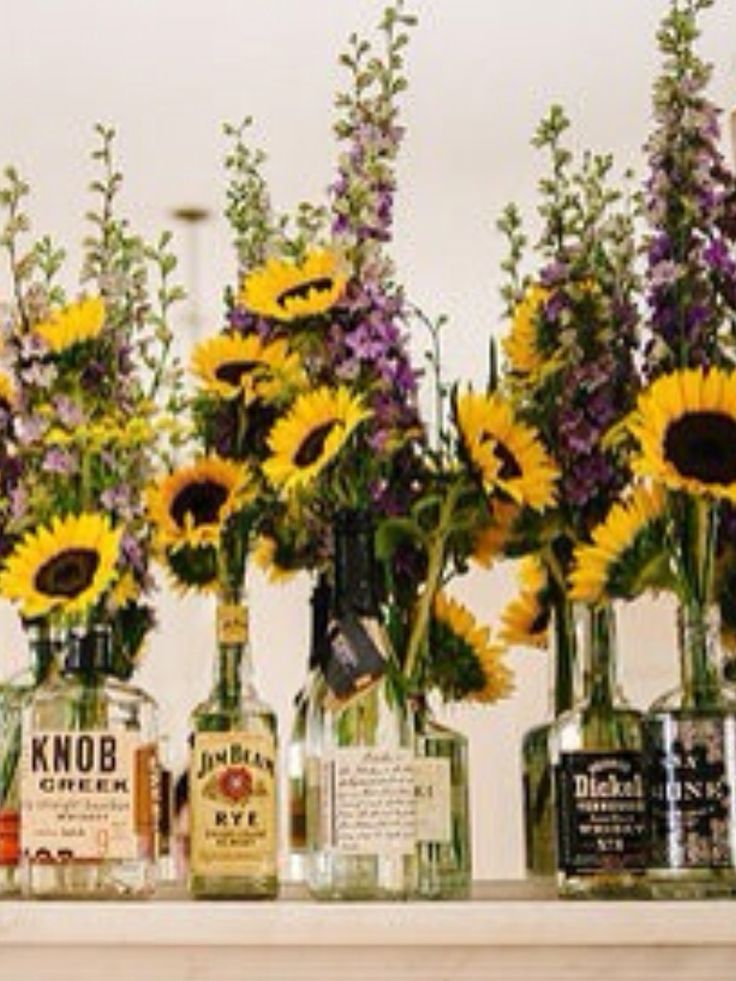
pixel 679 700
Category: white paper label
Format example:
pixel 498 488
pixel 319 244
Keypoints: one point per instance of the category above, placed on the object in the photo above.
pixel 434 819
pixel 78 796
pixel 374 803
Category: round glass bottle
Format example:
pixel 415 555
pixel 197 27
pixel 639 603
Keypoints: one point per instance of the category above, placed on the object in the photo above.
pixel 540 825
pixel 88 775
pixel 598 763
pixel 13 695
pixel 233 774
pixel 444 867
pixel 691 752
pixel 296 754
pixel 361 810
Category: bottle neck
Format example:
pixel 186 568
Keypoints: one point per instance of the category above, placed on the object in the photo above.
pixel 598 632
pixel 700 666
pixel 233 664
pixel 320 601
pixel 89 652
pixel 43 647
pixel 564 656
pixel 354 565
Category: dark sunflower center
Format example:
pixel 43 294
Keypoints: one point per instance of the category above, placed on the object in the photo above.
pixel 232 372
pixel 301 291
pixel 540 621
pixel 509 467
pixel 312 447
pixel 202 499
pixel 702 445
pixel 67 573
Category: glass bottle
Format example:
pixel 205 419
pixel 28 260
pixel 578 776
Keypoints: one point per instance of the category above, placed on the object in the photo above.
pixel 599 778
pixel 13 695
pixel 443 808
pixel 232 773
pixel 691 752
pixel 88 780
pixel 361 811
pixel 540 826
pixel 296 756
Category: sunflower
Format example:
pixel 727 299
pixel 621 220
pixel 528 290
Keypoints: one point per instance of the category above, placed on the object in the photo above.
pixel 521 344
pixel 190 506
pixel 288 290
pixel 492 540
pixel 7 392
pixel 62 567
pixel 311 434
pixel 73 324
pixel 474 662
pixel 685 424
pixel 525 620
pixel 626 553
pixel 507 454
pixel 265 555
pixel 233 366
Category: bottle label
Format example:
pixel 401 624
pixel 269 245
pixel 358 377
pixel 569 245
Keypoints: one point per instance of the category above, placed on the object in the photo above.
pixel 602 808
pixel 82 795
pixel 692 776
pixel 368 801
pixel 355 657
pixel 434 799
pixel 233 804
pixel 9 836
pixel 232 624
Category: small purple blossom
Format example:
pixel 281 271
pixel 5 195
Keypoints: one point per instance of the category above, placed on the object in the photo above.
pixel 59 460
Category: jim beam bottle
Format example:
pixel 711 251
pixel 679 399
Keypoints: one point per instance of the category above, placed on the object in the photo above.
pixel 600 780
pixel 296 755
pixel 88 775
pixel 361 808
pixel 232 774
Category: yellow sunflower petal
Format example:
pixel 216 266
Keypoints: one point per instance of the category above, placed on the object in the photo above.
pixel 235 366
pixel 288 290
pixel 62 568
pixel 73 324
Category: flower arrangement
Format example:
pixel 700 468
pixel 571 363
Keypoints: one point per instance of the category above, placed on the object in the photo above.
pixel 569 362
pixel 89 397
pixel 680 437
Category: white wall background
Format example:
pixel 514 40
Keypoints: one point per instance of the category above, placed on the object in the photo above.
pixel 168 73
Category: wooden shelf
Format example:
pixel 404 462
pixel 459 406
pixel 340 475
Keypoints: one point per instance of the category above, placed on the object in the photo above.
pixel 507 930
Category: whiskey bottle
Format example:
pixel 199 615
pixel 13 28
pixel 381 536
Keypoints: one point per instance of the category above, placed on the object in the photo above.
pixel 232 774
pixel 361 810
pixel 600 782
pixel 88 780
pixel 296 755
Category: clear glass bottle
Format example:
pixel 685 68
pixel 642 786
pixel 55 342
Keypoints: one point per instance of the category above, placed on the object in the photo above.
pixel 88 780
pixel 296 755
pixel 361 810
pixel 444 867
pixel 691 752
pixel 540 826
pixel 233 774
pixel 599 778
pixel 13 695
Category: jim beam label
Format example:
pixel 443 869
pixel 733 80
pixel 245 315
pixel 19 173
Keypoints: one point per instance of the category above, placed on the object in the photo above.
pixel 433 800
pixel 692 766
pixel 233 804
pixel 368 801
pixel 85 796
pixel 355 656
pixel 602 811
pixel 232 624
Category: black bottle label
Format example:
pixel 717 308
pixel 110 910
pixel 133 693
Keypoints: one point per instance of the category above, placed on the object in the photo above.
pixel 692 764
pixel 601 806
pixel 354 658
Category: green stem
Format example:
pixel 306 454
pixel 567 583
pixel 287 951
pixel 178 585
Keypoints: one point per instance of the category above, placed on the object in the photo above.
pixel 435 565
